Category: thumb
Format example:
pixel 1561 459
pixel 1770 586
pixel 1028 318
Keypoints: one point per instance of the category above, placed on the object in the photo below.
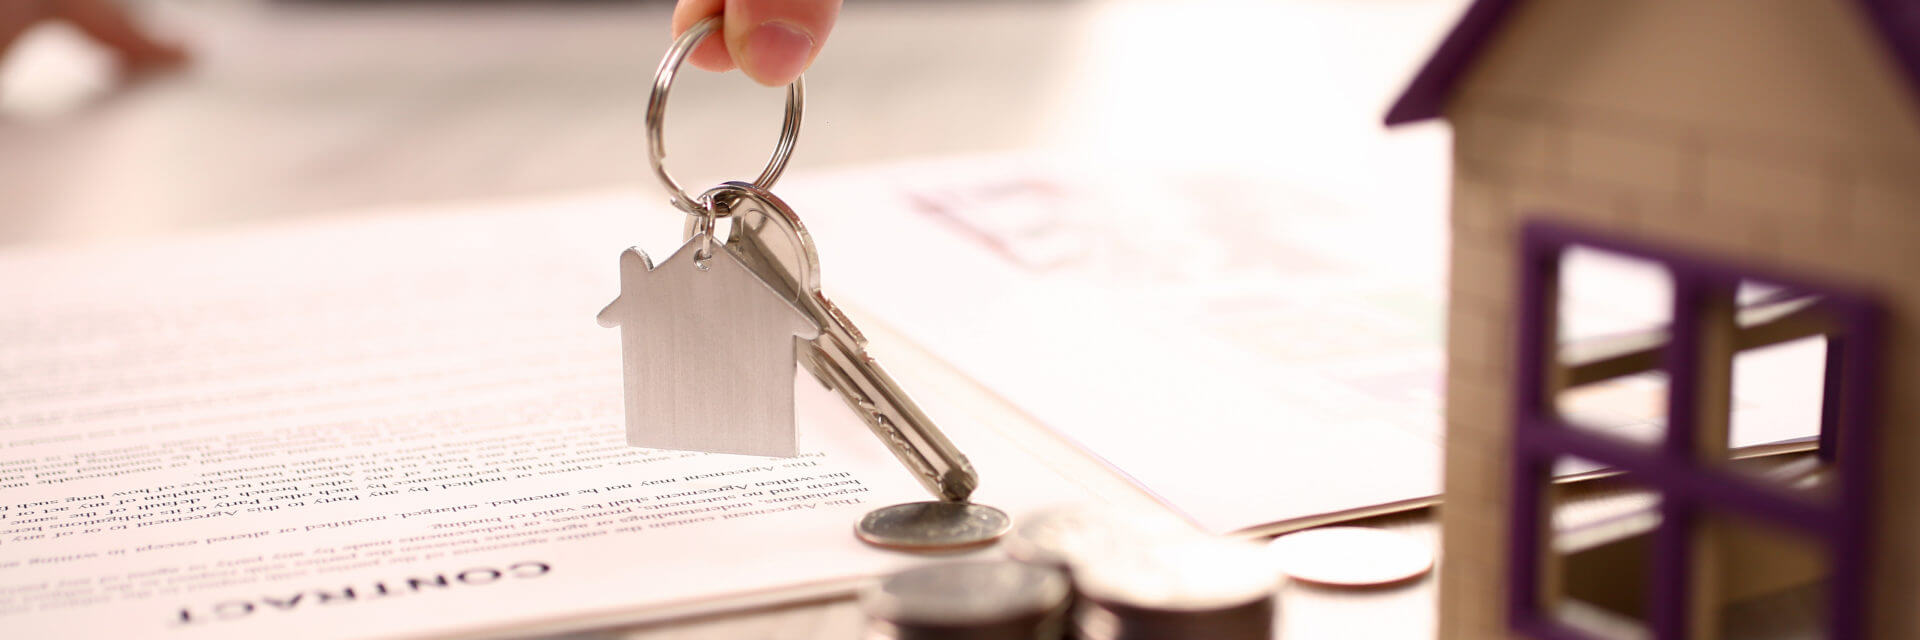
pixel 774 40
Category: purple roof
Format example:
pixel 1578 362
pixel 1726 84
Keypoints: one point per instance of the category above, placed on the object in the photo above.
pixel 1897 22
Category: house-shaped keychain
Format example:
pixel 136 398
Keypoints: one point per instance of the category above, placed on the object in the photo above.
pixel 708 349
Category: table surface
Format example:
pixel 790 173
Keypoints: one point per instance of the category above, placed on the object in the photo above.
pixel 301 110
pixel 1306 611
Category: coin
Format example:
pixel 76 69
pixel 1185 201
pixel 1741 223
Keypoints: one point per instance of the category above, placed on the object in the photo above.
pixel 1058 535
pixel 1351 556
pixel 1199 574
pixel 933 526
pixel 1254 620
pixel 965 594
pixel 1213 588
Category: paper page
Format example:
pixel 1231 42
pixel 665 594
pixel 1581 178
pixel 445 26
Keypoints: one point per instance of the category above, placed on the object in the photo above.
pixel 1250 349
pixel 1241 348
pixel 391 428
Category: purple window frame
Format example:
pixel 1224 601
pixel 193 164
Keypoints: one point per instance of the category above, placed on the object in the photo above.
pixel 1687 488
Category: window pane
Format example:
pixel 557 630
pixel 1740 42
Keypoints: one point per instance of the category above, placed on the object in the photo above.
pixel 1759 582
pixel 1595 576
pixel 1612 320
pixel 1779 380
pixel 1776 392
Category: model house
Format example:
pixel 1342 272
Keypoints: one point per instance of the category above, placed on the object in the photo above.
pixel 1765 156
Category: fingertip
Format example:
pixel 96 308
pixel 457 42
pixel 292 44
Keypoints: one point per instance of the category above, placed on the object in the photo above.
pixel 712 55
pixel 773 41
pixel 776 52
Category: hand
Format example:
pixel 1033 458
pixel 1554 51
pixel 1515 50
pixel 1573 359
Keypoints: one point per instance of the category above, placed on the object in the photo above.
pixel 105 22
pixel 771 40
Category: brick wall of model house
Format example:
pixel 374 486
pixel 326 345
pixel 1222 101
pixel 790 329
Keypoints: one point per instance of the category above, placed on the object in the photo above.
pixel 1843 214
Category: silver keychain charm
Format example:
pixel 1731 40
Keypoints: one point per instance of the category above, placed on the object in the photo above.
pixel 707 349
pixel 760 286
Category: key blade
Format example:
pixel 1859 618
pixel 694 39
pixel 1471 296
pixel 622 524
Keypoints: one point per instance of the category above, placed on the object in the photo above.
pixel 772 242
pixel 895 419
pixel 810 358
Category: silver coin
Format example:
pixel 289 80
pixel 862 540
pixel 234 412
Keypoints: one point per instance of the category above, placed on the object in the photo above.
pixel 965 594
pixel 933 526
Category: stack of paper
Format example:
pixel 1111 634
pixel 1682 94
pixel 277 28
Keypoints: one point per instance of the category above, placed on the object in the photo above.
pixel 411 425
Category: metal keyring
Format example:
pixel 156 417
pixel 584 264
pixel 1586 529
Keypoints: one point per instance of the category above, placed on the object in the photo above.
pixel 657 110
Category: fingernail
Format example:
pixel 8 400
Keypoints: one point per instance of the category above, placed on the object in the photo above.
pixel 777 53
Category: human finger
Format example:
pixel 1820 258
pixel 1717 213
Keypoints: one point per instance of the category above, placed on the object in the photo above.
pixel 774 40
pixel 107 22
pixel 711 54
pixel 16 16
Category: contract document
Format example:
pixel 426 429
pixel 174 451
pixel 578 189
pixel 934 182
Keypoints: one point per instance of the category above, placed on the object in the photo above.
pixel 394 428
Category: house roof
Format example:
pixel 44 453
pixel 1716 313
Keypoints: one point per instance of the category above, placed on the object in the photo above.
pixel 1897 22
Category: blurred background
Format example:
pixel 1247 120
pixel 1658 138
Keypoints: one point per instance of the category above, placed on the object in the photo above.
pixel 308 108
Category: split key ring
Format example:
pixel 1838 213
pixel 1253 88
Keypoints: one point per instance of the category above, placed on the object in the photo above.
pixel 657 111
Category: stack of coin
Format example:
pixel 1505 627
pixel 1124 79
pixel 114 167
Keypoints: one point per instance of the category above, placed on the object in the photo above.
pixel 1192 588
pixel 967 601
pixel 1060 536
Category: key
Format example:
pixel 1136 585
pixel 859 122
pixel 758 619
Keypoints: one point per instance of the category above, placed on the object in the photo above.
pixel 772 242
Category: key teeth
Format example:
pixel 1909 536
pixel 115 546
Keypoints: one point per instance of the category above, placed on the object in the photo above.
pixel 833 311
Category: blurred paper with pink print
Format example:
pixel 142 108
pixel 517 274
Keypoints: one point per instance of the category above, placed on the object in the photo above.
pixel 1226 340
